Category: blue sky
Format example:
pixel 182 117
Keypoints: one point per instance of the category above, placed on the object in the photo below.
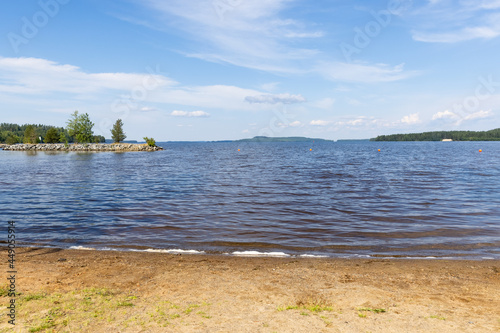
pixel 230 69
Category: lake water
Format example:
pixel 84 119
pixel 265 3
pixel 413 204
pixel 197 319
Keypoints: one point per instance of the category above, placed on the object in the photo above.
pixel 410 199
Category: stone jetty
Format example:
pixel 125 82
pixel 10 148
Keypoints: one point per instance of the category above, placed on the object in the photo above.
pixel 81 147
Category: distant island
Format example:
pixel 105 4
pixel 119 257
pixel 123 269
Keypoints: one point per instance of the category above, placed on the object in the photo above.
pixel 282 139
pixel 492 135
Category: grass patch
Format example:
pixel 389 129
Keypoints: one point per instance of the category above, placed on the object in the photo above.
pixel 87 310
pixel 313 303
pixel 311 308
pixel 31 297
pixel 438 317
pixel 49 321
pixel 379 310
pixel 124 303
pixel 190 308
pixel 4 291
pixel 204 315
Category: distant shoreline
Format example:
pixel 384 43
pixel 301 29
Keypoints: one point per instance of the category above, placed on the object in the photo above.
pixel 95 147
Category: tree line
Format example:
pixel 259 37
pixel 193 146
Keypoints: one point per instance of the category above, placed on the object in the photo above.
pixel 491 135
pixel 78 130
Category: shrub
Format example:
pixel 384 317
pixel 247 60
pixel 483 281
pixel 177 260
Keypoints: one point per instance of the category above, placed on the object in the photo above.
pixel 150 141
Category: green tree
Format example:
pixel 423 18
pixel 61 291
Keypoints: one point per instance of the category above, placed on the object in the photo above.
pixel 30 135
pixel 117 133
pixel 52 136
pixel 12 139
pixel 63 138
pixel 80 127
pixel 150 141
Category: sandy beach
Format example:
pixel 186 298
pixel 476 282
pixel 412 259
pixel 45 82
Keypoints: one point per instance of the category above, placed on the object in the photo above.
pixel 107 291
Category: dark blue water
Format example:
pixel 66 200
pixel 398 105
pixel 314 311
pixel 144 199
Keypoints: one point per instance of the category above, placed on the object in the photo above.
pixel 439 199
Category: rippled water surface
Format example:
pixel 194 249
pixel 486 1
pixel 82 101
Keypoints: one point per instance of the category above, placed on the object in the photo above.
pixel 439 199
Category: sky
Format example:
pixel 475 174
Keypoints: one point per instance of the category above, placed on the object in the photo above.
pixel 204 70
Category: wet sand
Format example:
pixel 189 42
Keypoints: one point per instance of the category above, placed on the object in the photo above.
pixel 107 291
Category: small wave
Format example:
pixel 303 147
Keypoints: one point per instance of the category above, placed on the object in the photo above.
pixel 81 248
pixel 260 254
pixel 312 256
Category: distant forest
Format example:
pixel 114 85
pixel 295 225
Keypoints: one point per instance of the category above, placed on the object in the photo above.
pixel 13 133
pixel 492 135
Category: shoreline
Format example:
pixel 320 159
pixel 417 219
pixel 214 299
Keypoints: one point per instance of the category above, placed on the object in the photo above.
pixel 128 291
pixel 277 253
pixel 93 147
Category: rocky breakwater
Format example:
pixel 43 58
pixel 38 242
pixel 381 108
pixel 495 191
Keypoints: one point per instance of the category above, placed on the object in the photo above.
pixel 81 147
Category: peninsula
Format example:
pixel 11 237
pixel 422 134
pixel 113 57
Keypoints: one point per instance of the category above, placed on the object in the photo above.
pixel 82 147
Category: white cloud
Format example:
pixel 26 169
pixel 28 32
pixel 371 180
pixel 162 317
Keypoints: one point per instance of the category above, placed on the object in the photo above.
pixel 444 114
pixel 411 119
pixel 36 76
pixel 355 122
pixel 295 123
pixel 479 115
pixel 320 122
pixel 275 99
pixel 36 81
pixel 178 113
pixel 460 118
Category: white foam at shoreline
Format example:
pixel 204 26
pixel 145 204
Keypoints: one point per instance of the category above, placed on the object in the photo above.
pixel 260 254
pixel 278 254
pixel 81 248
pixel 312 256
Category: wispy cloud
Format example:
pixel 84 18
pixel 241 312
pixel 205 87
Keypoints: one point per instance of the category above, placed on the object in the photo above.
pixel 244 33
pixel 37 79
pixel 459 119
pixel 451 22
pixel 259 34
pixel 179 113
pixel 36 76
pixel 320 122
pixel 361 72
pixel 275 99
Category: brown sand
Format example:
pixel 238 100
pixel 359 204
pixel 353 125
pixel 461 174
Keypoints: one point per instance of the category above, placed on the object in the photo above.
pixel 203 293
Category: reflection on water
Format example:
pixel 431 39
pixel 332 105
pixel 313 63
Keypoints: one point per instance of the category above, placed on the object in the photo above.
pixel 415 199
